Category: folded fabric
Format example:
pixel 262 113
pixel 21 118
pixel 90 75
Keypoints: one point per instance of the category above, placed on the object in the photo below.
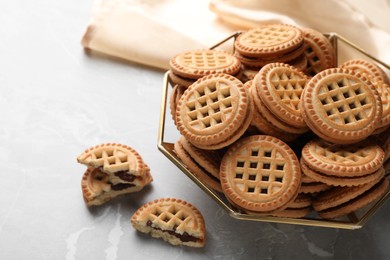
pixel 151 32
pixel 124 29
pixel 325 16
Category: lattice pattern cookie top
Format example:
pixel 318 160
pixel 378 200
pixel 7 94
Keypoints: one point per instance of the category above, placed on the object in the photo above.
pixel 318 51
pixel 341 106
pixel 269 40
pixel 384 92
pixel 343 160
pixel 112 158
pixel 260 173
pixel 174 220
pixel 198 63
pixel 212 108
pixel 380 81
pixel 280 87
pixel 366 67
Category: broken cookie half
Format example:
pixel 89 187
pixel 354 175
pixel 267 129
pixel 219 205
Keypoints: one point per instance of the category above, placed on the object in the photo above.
pixel 113 169
pixel 175 221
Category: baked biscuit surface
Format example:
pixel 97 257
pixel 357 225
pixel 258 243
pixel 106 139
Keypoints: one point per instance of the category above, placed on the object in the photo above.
pixel 212 109
pixel 260 174
pixel 354 201
pixel 280 86
pixel 341 106
pixel 343 160
pixel 175 221
pixel 113 169
pixel 318 51
pixel 384 92
pixel 380 81
pixel 112 157
pixel 269 40
pixel 197 63
pixel 366 67
pixel 199 171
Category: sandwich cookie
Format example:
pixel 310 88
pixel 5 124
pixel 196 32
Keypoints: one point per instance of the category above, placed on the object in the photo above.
pixel 187 67
pixel 279 87
pixel 269 41
pixel 99 187
pixel 173 220
pixel 113 169
pixel 340 201
pixel 260 174
pixel 199 163
pixel 341 106
pixel 214 111
pixel 360 159
pixel 318 51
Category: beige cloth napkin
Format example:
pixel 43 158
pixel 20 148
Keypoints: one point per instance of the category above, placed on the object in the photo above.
pixel 151 32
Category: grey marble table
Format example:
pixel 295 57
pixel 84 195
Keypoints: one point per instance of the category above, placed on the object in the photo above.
pixel 55 101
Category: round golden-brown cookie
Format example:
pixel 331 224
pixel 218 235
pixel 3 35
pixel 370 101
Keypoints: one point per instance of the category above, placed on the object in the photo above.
pixel 112 158
pixel 280 86
pixel 341 106
pixel 334 180
pixel 354 202
pixel 269 40
pixel 195 64
pixel 214 111
pixel 177 92
pixel 384 93
pixel 262 124
pixel 343 160
pixel 209 160
pixel 175 221
pixel 267 128
pixel 381 83
pixel 177 80
pixel 367 67
pixel 260 173
pixel 318 51
pixel 339 195
pixel 256 62
pixel 197 170
pixel 275 121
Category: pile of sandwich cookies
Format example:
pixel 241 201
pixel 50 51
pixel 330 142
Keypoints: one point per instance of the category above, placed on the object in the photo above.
pixel 291 133
pixel 114 170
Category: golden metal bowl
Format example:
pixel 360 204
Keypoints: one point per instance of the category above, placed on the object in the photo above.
pixel 168 135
